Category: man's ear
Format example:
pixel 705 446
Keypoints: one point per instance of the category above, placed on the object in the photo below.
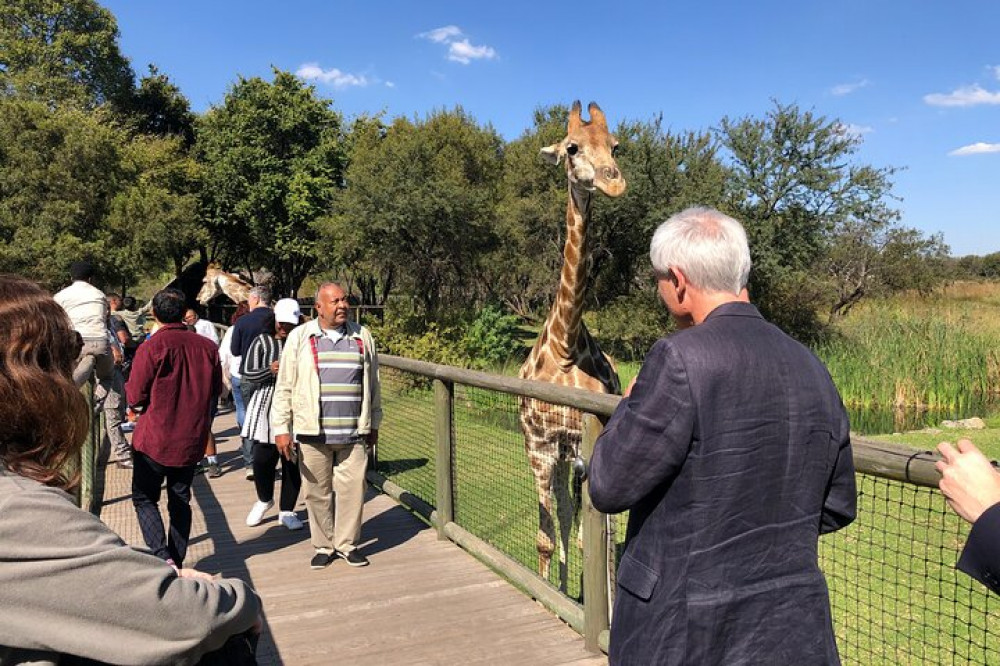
pixel 552 154
pixel 681 281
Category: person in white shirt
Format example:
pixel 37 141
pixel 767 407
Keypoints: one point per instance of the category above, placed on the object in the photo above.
pixel 202 327
pixel 87 308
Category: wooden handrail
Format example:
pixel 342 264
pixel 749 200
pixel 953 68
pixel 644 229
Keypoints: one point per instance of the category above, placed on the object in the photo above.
pixel 890 461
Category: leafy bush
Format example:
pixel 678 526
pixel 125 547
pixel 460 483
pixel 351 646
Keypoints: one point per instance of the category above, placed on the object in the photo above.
pixel 491 339
pixel 628 327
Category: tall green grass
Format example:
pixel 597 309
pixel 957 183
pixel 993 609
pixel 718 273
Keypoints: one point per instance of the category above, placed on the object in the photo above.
pixel 889 356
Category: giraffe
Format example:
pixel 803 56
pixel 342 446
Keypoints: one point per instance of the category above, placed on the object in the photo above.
pixel 565 353
pixel 218 282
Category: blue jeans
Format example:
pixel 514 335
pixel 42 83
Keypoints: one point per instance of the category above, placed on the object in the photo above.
pixel 246 446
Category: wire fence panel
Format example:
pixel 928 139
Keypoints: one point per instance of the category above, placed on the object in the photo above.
pixel 406 437
pixel 505 496
pixel 896 595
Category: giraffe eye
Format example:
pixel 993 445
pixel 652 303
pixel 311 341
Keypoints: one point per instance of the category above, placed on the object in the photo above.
pixel 572 149
pixel 614 150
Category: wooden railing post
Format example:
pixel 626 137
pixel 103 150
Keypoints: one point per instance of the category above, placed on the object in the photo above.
pixel 595 551
pixel 443 414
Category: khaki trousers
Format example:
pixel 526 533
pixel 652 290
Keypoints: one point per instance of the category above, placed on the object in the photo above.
pixel 334 481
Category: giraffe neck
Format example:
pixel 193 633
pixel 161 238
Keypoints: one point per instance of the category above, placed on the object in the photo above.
pixel 564 323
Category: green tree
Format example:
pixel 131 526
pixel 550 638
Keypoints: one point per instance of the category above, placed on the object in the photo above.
pixel 60 168
pixel 420 201
pixel 153 221
pixel 161 109
pixel 63 51
pixel 793 184
pixel 273 155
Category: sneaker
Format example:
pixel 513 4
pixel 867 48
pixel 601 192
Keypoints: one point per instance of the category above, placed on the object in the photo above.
pixel 354 558
pixel 257 512
pixel 124 463
pixel 214 470
pixel 321 560
pixel 249 474
pixel 290 520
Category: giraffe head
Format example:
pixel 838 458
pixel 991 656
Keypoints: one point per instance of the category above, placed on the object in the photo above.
pixel 589 149
pixel 210 287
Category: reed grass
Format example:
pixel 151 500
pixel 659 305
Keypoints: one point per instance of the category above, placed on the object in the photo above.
pixel 939 353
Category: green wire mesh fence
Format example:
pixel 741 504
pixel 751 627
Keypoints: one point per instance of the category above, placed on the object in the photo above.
pixel 895 594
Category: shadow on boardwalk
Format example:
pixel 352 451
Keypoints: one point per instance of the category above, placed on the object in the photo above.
pixel 422 601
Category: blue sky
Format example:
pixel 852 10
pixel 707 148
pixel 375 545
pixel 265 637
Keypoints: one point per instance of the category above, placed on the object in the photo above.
pixel 920 81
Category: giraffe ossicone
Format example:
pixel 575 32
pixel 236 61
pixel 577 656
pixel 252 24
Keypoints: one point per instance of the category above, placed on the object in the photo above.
pixel 565 353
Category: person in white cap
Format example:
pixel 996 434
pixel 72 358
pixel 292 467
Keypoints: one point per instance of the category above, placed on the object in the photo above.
pixel 260 368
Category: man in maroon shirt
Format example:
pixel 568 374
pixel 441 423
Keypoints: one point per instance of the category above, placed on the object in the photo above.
pixel 176 379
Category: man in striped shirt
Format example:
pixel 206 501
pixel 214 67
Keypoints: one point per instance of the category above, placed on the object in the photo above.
pixel 327 393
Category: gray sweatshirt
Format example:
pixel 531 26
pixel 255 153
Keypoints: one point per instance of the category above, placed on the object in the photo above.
pixel 69 585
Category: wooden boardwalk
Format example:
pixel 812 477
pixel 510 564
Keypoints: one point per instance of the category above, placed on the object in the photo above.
pixel 422 601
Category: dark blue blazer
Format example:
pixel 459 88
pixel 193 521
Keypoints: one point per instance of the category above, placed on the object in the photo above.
pixel 733 454
pixel 981 556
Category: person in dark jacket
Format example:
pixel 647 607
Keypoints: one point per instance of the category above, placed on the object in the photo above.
pixel 732 451
pixel 971 485
pixel 175 382
pixel 245 331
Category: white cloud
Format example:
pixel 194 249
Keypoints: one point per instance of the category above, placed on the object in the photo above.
pixel 995 69
pixel 964 96
pixel 459 48
pixel 847 88
pixel 850 129
pixel 311 71
pixel 464 52
pixel 976 149
pixel 390 84
pixel 442 35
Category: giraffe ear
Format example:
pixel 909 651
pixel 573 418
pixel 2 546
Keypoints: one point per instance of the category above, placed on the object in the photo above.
pixel 552 154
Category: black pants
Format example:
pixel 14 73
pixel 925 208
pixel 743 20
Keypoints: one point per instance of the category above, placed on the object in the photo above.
pixel 147 477
pixel 265 457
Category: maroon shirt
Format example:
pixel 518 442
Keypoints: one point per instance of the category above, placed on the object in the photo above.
pixel 176 377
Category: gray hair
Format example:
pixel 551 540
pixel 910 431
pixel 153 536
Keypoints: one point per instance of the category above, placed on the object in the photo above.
pixel 263 294
pixel 708 247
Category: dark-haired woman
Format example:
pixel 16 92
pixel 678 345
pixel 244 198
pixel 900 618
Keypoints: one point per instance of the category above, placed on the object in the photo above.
pixel 68 584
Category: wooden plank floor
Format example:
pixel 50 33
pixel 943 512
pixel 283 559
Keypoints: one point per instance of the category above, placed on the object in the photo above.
pixel 422 601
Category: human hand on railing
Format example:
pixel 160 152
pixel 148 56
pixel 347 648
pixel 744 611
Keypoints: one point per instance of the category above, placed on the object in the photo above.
pixel 274 367
pixel 968 479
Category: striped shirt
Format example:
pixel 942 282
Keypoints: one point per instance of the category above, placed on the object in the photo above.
pixel 340 364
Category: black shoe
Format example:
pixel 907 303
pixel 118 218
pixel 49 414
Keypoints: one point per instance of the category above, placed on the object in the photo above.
pixel 354 558
pixel 321 560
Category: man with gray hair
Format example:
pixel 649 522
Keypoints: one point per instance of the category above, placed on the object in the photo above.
pixel 246 328
pixel 732 451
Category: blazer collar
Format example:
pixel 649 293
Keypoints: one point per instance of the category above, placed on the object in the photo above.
pixel 735 309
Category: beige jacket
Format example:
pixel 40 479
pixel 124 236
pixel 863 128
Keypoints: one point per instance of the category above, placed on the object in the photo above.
pixel 295 406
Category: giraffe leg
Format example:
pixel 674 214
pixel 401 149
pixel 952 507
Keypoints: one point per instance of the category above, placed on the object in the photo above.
pixel 545 541
pixel 565 510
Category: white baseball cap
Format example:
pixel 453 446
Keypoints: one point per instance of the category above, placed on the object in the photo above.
pixel 287 311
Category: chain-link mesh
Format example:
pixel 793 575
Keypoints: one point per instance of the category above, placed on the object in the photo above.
pixel 406 445
pixel 496 481
pixel 895 594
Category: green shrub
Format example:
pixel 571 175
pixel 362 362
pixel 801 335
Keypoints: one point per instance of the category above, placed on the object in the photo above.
pixel 628 327
pixel 492 338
